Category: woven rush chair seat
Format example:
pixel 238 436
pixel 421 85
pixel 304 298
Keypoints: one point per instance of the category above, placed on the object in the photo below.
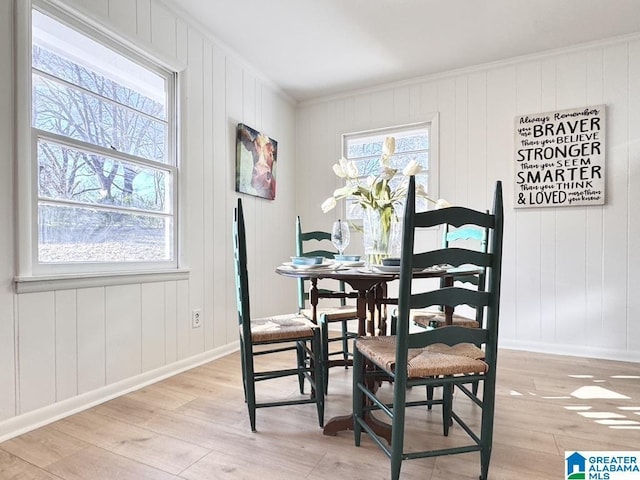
pixel 281 327
pixel 332 314
pixel 434 360
pixel 426 318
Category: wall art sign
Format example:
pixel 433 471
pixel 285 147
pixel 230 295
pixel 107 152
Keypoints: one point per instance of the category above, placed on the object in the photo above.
pixel 256 156
pixel 560 158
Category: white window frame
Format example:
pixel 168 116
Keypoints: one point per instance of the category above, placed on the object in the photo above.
pixel 30 274
pixel 431 124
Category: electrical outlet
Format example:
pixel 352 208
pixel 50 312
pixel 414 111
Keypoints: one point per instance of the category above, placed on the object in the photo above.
pixel 196 318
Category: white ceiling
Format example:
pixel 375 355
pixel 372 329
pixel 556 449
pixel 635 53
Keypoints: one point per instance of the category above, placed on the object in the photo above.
pixel 312 48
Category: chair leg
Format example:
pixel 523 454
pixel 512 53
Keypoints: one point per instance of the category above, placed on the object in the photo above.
pixel 447 407
pixel 358 396
pixel 485 456
pixel 244 371
pixel 429 396
pixel 486 427
pixel 324 331
pixel 301 354
pixel 317 384
pixel 250 388
pixel 397 426
pixel 345 344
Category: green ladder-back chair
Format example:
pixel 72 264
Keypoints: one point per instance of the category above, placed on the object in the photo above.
pixel 474 238
pixel 273 335
pixel 315 244
pixel 444 357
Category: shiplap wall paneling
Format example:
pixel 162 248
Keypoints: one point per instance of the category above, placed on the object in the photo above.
pixel 317 147
pixel 447 139
pixel 501 108
pixel 143 22
pixel 36 355
pixel 194 194
pixel 124 13
pixel 222 178
pixel 277 292
pixel 183 319
pixel 594 314
pixel 91 338
pixel 170 322
pixel 7 319
pixel 459 168
pixel 548 240
pixel 254 209
pixel 66 338
pixel 208 204
pixel 98 8
pixel 123 332
pixel 153 325
pixel 479 187
pixel 527 221
pixel 570 222
pixel 616 231
pixel 633 326
pixel 163 30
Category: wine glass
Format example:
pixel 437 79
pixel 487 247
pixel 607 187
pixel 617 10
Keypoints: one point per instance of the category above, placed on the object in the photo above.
pixel 340 235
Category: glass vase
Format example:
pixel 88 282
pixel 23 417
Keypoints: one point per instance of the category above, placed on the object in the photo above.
pixel 381 234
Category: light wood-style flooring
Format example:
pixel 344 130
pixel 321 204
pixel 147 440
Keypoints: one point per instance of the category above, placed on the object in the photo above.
pixel 194 426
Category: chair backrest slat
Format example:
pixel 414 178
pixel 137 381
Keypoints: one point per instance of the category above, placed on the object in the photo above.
pixel 452 256
pixel 451 296
pixel 445 335
pixel 456 216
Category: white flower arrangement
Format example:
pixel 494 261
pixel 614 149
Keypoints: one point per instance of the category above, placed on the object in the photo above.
pixel 377 193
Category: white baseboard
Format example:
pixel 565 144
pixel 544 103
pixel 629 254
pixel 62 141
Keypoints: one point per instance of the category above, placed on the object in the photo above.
pixel 43 416
pixel 572 350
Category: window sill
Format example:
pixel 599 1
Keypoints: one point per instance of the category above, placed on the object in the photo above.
pixel 68 282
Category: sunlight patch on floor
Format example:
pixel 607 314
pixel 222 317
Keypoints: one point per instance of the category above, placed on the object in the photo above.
pixel 601 415
pixel 618 422
pixel 593 392
pixel 578 407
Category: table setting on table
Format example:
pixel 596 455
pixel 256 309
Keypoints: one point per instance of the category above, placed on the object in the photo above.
pixel 340 238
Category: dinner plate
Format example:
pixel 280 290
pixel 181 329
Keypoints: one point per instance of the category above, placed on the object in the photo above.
pixel 316 266
pixel 350 263
pixel 386 268
pixel 396 269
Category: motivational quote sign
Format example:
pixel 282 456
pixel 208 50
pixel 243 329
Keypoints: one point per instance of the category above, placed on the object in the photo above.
pixel 560 158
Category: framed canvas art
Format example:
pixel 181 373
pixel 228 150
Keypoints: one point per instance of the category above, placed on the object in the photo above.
pixel 256 156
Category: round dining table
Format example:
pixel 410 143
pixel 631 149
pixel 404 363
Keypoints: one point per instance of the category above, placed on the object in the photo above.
pixel 371 285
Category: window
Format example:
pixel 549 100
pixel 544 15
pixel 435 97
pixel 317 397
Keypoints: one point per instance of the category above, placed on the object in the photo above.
pixel 103 153
pixel 412 143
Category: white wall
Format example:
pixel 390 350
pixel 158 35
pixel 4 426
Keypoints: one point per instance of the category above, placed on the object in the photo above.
pixel 63 350
pixel 568 272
